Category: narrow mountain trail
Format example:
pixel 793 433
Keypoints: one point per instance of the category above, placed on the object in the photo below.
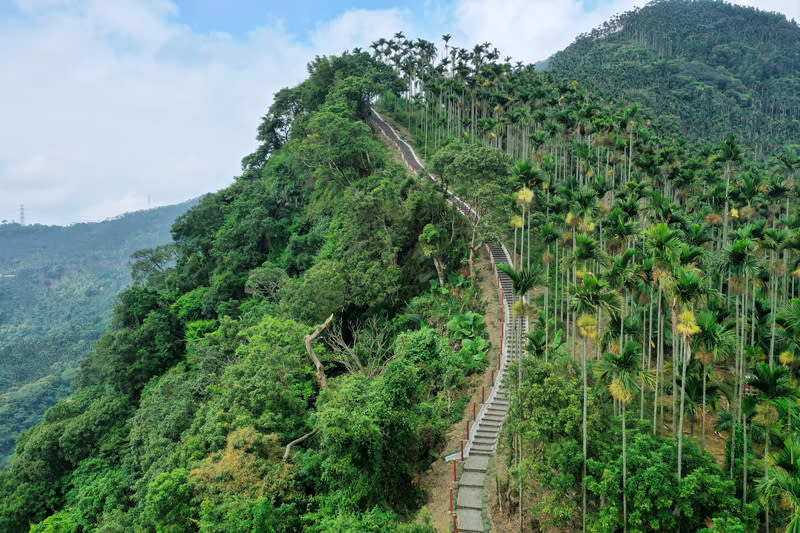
pixel 469 466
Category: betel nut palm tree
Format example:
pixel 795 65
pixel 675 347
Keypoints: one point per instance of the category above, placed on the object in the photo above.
pixel 624 376
pixel 591 296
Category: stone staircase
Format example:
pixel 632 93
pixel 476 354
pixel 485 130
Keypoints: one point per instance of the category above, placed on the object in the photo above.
pixel 488 422
pixel 485 429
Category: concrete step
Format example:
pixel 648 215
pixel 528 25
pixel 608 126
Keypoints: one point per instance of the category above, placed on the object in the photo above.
pixel 469 521
pixel 481 452
pixel 470 498
pixel 476 464
pixel 472 479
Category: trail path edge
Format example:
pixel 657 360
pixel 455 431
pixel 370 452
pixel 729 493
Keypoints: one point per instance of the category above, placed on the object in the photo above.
pixel 485 426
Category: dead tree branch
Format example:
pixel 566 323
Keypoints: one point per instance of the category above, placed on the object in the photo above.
pixel 297 441
pixel 323 383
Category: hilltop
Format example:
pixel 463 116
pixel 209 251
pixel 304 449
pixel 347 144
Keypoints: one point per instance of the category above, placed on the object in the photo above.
pixel 702 67
pixel 312 350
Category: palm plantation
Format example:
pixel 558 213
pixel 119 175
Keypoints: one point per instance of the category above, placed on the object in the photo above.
pixel 670 253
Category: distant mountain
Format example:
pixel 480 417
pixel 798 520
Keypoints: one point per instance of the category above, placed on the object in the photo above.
pixel 705 67
pixel 57 286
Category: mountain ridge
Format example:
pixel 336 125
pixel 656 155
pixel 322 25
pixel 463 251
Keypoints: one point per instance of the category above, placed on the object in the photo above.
pixel 57 286
pixel 702 67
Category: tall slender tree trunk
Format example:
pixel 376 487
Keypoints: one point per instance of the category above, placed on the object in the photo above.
pixel 624 472
pixel 680 416
pixel 737 383
pixel 584 430
pixel 703 433
pixel 546 316
pixel 766 473
pixel 744 465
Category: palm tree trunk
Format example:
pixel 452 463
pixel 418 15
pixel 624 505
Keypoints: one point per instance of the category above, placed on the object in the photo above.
pixel 585 433
pixel 659 364
pixel 703 433
pixel 744 465
pixel 766 473
pixel 624 473
pixel 546 316
pixel 528 264
pixel 677 348
pixel 649 322
pixel 725 214
pixel 680 416
pixel 736 389
pixel 773 286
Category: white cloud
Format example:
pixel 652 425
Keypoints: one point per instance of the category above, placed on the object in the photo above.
pixel 130 201
pixel 105 103
pixel 104 106
pixel 359 28
pixel 532 30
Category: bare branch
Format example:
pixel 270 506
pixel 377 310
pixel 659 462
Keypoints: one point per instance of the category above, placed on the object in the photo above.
pixel 323 383
pixel 298 441
pixel 369 349
pixel 344 353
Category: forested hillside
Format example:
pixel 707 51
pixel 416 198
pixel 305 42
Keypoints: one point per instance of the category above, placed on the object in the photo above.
pixel 52 276
pixel 300 364
pixel 57 287
pixel 180 417
pixel 705 68
pixel 660 279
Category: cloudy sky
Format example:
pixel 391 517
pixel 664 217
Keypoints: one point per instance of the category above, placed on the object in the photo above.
pixel 110 106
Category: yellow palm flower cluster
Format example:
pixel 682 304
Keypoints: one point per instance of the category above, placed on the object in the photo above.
pixel 587 327
pixel 525 196
pixel 688 324
pixel 619 391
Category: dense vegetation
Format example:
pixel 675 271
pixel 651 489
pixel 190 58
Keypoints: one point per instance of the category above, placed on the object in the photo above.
pixel 56 276
pixel 180 416
pixel 57 286
pixel 659 276
pixel 662 288
pixel 706 68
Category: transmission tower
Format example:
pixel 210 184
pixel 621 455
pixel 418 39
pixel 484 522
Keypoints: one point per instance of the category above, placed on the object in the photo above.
pixel 21 214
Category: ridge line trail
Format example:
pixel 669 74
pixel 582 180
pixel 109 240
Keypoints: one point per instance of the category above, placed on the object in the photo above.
pixel 437 480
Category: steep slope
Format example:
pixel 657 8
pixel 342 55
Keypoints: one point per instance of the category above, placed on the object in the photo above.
pixel 665 277
pixel 57 286
pixel 707 68
pixel 199 410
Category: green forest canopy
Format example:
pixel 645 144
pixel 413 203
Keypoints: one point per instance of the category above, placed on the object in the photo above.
pixel 667 284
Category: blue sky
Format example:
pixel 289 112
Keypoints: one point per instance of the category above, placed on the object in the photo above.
pixel 113 105
pixel 240 16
